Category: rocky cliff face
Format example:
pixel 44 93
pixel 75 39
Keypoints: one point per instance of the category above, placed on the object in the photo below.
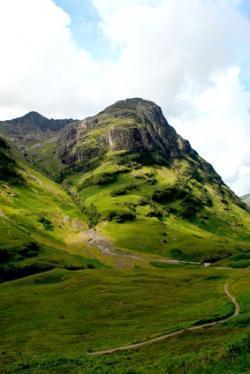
pixel 132 125
pixel 135 127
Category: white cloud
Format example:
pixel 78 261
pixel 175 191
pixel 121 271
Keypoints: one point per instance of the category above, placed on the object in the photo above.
pixel 41 67
pixel 166 45
pixel 187 55
pixel 218 123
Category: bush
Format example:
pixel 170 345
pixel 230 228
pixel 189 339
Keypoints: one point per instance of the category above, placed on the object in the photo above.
pixel 123 190
pixel 168 194
pixel 149 178
pixel 47 224
pixel 4 254
pixel 16 271
pixel 100 179
pixel 17 254
pixel 191 206
pixel 92 215
pixel 121 215
pixel 31 249
pixel 156 212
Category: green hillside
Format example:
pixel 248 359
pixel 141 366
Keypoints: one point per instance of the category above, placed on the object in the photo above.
pixel 148 189
pixel 36 217
pixel 105 228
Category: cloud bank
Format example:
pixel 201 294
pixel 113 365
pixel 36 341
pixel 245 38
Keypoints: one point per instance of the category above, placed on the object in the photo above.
pixel 189 56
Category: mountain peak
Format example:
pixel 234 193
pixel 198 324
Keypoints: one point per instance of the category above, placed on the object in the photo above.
pixel 35 121
pixel 34 116
pixel 130 104
pixel 30 116
pixel 135 126
pixel 145 112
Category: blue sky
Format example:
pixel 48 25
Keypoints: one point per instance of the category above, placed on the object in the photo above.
pixel 245 7
pixel 85 27
pixel 86 20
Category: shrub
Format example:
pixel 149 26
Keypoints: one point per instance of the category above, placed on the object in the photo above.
pixel 47 224
pixel 191 205
pixel 16 254
pixel 123 190
pixel 121 215
pixel 92 215
pixel 30 250
pixel 100 179
pixel 4 254
pixel 16 271
pixel 155 212
pixel 168 194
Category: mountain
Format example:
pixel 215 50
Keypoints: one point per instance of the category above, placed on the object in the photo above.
pixel 149 190
pixel 32 127
pixel 140 183
pixel 33 134
pixel 105 227
pixel 246 199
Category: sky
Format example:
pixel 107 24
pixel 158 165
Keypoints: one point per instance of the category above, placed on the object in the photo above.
pixel 72 58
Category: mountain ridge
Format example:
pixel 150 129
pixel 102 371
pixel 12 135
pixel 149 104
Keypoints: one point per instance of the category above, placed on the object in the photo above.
pixel 130 173
pixel 40 121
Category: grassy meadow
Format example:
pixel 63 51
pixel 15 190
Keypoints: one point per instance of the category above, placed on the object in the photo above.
pixel 63 315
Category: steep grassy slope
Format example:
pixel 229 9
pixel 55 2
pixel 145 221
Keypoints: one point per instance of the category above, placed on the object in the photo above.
pixel 36 215
pixel 129 208
pixel 147 189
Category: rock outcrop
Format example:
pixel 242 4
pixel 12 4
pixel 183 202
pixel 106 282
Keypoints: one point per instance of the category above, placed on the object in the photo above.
pixel 133 126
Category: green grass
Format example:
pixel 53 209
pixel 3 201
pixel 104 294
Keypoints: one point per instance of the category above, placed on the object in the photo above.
pixel 22 205
pixel 72 312
pixel 134 220
pixel 36 219
pixel 73 304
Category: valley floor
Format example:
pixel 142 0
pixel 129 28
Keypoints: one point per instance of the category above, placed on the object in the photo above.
pixel 54 321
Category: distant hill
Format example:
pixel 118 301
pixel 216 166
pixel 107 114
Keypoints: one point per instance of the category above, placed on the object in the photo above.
pixel 246 199
pixel 32 134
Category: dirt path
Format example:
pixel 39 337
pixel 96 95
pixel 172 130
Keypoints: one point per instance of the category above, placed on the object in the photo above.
pixel 234 301
pixel 176 333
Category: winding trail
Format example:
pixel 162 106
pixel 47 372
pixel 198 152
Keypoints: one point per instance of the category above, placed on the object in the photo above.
pixel 176 333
